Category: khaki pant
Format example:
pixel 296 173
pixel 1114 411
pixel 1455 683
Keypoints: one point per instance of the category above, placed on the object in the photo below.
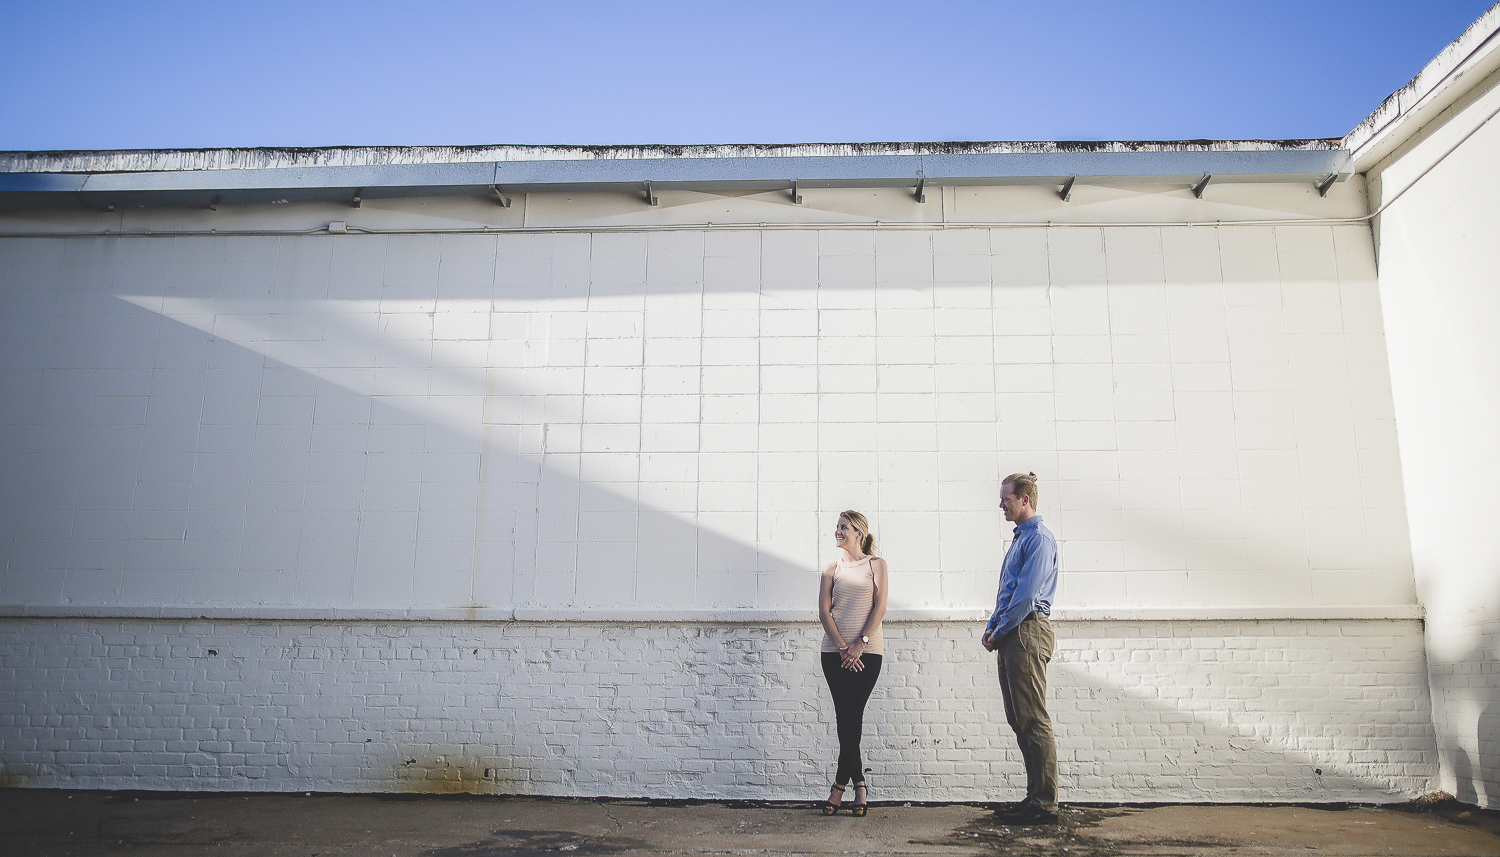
pixel 1023 657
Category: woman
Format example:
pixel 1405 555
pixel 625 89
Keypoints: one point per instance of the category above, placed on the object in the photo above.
pixel 851 602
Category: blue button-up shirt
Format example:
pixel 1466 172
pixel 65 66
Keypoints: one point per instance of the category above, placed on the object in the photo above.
pixel 1028 577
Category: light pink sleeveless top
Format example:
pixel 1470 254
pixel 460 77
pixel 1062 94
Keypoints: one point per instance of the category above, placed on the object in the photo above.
pixel 853 596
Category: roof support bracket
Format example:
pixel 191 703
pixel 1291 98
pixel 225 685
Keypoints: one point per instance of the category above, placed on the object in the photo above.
pixel 500 198
pixel 1067 189
pixel 650 198
pixel 1325 183
pixel 921 195
pixel 1202 183
pixel 796 194
pixel 358 198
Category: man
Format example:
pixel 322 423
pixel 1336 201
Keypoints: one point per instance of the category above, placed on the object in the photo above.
pixel 1021 632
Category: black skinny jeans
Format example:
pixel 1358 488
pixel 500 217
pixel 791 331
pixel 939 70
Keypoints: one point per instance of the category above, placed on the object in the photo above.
pixel 851 690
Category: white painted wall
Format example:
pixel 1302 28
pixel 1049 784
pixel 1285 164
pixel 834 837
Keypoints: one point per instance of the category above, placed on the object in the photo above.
pixel 653 428
pixel 1438 276
pixel 1153 711
pixel 671 420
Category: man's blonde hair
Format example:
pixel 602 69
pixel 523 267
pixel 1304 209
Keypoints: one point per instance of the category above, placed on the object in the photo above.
pixel 1022 485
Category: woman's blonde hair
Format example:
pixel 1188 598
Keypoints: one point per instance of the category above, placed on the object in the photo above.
pixel 862 524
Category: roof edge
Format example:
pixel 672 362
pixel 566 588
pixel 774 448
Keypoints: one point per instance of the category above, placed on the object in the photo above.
pixel 175 160
pixel 249 185
pixel 1467 61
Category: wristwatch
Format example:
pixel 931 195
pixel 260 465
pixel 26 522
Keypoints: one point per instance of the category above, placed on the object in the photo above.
pixel 864 639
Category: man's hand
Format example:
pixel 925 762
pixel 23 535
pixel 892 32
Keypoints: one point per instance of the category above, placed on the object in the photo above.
pixel 987 642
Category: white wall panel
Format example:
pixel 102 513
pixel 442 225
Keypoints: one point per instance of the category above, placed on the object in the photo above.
pixel 568 419
pixel 1438 261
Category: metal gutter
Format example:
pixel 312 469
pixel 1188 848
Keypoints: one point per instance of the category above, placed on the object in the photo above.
pixel 28 188
pixel 162 160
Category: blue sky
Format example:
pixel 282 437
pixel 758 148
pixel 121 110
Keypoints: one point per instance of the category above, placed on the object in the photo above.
pixel 120 75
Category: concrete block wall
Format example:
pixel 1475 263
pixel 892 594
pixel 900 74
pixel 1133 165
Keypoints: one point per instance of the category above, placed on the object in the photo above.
pixel 672 419
pixel 1152 711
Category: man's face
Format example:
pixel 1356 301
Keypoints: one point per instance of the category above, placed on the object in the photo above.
pixel 1010 504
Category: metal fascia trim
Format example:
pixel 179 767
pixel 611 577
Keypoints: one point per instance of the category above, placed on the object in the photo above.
pixel 341 183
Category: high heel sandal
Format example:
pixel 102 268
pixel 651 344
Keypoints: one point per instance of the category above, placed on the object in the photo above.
pixel 860 805
pixel 829 807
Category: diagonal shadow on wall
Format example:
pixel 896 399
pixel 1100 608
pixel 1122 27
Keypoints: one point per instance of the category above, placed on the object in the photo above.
pixel 1467 709
pixel 1169 740
pixel 243 484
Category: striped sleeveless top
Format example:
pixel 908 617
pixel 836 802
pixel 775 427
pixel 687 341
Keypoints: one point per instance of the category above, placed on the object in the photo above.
pixel 853 596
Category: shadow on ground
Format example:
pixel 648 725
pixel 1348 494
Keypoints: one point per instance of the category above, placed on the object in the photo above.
pixel 529 843
pixel 1435 825
pixel 156 824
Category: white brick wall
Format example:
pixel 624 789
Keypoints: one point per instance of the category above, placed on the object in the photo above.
pixel 1202 711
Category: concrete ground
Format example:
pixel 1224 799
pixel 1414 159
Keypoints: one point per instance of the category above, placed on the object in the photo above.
pixel 148 824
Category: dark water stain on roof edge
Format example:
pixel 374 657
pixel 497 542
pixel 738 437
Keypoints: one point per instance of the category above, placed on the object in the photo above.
pixel 145 160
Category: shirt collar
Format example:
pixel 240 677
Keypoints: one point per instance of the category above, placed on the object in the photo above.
pixel 1030 523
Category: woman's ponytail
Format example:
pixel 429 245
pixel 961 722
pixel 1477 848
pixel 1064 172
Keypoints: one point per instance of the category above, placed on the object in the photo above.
pixel 862 524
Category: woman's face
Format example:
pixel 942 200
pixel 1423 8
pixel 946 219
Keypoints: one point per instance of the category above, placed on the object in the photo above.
pixel 846 536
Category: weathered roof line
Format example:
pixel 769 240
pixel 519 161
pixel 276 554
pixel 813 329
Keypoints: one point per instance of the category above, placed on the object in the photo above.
pixel 148 160
pixel 249 186
pixel 1477 49
pixel 1465 62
